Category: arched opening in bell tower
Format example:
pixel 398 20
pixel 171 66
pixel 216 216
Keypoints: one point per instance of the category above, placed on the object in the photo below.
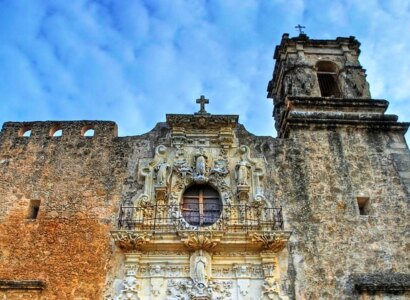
pixel 327 77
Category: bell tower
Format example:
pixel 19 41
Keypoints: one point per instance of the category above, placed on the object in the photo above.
pixel 313 79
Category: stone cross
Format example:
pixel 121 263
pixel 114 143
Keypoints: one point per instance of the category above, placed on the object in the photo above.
pixel 300 27
pixel 202 101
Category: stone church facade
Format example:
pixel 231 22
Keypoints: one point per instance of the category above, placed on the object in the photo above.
pixel 199 208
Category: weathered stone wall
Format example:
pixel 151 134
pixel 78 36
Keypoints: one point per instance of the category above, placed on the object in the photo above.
pixel 78 181
pixel 331 240
pixel 316 175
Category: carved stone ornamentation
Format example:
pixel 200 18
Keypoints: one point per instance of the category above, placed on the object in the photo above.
pixel 220 290
pixel 157 170
pixel 162 173
pixel 249 173
pixel 270 290
pixel 201 171
pixel 243 279
pixel 179 289
pixel 200 267
pixel 201 240
pixel 130 287
pixel 157 279
pixel 271 241
pixel 130 240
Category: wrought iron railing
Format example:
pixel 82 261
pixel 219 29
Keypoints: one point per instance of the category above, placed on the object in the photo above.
pixel 172 218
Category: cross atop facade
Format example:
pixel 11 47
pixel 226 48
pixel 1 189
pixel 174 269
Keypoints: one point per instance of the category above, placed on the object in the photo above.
pixel 300 27
pixel 202 101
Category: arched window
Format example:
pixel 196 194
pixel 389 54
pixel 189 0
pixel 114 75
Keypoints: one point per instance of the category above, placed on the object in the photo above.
pixel 327 77
pixel 201 205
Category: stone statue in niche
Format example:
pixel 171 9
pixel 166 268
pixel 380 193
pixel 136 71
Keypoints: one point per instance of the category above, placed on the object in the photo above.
pixel 243 173
pixel 200 267
pixel 162 172
pixel 200 167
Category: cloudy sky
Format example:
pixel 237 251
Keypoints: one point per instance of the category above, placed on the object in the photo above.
pixel 133 61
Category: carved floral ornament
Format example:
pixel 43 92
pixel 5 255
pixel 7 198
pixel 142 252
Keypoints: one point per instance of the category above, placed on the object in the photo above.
pixel 130 240
pixel 200 240
pixel 272 241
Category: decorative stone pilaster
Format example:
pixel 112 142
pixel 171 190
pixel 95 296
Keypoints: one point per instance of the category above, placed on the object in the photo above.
pixel 270 288
pixel 131 285
pixel 157 274
pixel 242 274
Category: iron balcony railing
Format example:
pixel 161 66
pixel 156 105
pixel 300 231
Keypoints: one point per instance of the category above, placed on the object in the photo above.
pixel 172 218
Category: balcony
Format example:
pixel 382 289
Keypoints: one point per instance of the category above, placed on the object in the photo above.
pixel 173 226
pixel 164 218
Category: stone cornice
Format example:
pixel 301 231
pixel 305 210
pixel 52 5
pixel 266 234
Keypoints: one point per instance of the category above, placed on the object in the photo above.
pixel 330 113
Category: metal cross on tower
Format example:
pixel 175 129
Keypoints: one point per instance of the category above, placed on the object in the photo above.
pixel 300 27
pixel 202 101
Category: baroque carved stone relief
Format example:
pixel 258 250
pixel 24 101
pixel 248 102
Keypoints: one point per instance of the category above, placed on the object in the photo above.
pixel 181 261
pixel 200 240
pixel 131 285
pixel 272 241
pixel 249 175
pixel 130 240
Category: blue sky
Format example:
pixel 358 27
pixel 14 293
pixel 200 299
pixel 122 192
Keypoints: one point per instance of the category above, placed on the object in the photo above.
pixel 134 61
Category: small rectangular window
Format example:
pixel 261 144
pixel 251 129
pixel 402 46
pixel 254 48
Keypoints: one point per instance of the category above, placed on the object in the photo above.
pixel 33 209
pixel 363 204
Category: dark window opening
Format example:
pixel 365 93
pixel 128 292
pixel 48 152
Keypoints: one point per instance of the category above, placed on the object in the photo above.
pixel 363 204
pixel 201 205
pixel 328 85
pixel 33 209
pixel 327 77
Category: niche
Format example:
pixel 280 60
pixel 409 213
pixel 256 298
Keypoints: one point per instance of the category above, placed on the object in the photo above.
pixel 33 209
pixel 363 205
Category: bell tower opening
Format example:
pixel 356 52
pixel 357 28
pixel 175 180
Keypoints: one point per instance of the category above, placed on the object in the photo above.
pixel 327 77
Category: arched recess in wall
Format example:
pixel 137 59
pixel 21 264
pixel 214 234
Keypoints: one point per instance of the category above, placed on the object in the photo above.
pixel 55 131
pixel 24 132
pixel 327 76
pixel 88 131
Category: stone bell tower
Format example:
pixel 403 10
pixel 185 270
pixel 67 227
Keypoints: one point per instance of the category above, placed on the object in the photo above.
pixel 313 79
pixel 351 171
